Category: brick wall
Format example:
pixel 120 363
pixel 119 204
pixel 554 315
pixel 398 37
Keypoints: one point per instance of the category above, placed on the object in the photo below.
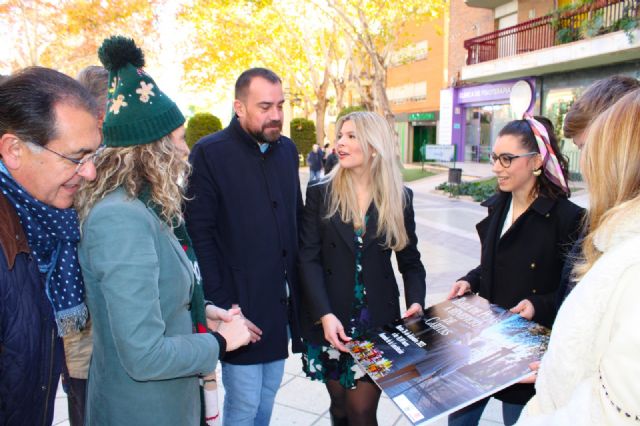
pixel 464 23
pixel 531 9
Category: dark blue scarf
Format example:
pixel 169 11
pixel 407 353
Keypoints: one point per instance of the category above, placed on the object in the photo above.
pixel 53 236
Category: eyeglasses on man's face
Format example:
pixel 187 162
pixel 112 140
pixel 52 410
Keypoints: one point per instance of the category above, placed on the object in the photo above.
pixel 91 157
pixel 506 159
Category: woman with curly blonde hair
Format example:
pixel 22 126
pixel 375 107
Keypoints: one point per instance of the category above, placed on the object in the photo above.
pixel 352 222
pixel 151 340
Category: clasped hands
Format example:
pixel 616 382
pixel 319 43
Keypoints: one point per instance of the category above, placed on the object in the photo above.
pixel 232 325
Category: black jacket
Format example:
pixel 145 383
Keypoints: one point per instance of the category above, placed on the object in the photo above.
pixel 31 354
pixel 327 266
pixel 526 263
pixel 242 217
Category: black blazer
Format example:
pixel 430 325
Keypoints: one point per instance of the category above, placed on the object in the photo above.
pixel 327 266
pixel 526 263
pixel 242 217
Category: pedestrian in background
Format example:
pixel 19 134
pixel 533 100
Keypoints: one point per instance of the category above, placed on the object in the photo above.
pixel 150 339
pixel 351 224
pixel 524 240
pixel 331 161
pixel 242 215
pixel 596 99
pixel 315 160
pixel 48 138
pixel 590 374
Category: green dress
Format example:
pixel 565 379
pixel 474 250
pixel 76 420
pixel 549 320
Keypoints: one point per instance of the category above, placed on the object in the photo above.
pixel 324 363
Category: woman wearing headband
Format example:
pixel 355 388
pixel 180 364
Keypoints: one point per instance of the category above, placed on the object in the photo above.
pixel 524 238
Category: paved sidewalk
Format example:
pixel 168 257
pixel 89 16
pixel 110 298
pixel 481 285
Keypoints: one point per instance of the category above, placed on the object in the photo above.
pixel 449 246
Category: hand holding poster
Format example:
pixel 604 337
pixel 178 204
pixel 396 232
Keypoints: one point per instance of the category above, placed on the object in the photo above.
pixel 459 352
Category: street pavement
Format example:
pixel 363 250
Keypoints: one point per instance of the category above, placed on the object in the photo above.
pixel 449 246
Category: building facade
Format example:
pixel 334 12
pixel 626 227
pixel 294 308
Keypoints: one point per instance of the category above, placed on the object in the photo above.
pixel 557 49
pixel 414 80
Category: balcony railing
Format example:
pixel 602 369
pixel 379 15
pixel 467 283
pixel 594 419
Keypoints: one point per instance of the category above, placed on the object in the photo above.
pixel 599 17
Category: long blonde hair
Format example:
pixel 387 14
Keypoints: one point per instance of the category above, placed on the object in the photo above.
pixel 158 164
pixel 387 192
pixel 611 167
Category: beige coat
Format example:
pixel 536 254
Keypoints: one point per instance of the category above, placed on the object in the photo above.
pixel 591 373
pixel 77 352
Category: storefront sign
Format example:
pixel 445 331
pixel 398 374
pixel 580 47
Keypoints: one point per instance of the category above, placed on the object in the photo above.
pixel 439 152
pixel 422 116
pixel 485 92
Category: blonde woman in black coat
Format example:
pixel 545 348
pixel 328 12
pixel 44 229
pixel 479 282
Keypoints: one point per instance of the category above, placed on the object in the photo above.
pixel 525 238
pixel 352 222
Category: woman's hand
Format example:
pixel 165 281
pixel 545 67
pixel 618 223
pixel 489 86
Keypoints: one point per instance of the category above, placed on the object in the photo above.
pixel 334 332
pixel 217 315
pixel 414 309
pixel 459 288
pixel 525 309
pixel 534 366
pixel 235 332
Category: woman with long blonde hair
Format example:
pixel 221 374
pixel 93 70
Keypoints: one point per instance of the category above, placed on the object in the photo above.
pixel 150 321
pixel 590 375
pixel 352 222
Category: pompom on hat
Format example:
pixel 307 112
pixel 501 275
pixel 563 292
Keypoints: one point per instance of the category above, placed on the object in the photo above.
pixel 138 112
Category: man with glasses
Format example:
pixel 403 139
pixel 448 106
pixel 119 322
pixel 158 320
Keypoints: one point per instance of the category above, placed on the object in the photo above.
pixel 49 138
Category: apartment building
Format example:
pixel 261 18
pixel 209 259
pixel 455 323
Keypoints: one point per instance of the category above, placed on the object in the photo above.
pixel 549 50
pixel 414 80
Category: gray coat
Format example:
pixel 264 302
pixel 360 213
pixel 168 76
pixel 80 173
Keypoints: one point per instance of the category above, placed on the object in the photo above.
pixel 146 360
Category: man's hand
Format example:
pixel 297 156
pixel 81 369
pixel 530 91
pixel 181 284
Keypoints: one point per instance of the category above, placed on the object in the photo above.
pixel 334 332
pixel 235 332
pixel 256 333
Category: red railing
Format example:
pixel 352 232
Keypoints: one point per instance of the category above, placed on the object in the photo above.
pixel 600 17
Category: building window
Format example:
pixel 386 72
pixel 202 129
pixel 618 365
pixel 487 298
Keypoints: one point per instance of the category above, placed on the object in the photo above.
pixel 412 53
pixel 412 92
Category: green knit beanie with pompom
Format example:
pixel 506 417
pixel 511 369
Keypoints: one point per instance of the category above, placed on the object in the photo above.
pixel 138 112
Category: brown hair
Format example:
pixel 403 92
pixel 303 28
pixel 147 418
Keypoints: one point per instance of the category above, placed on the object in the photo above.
pixel 597 98
pixel 611 167
pixel 96 80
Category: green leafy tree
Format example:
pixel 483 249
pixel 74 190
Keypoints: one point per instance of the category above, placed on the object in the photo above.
pixel 201 125
pixel 303 134
pixel 373 28
pixel 347 110
pixel 65 35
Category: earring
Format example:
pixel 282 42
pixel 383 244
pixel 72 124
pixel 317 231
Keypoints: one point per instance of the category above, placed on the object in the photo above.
pixel 374 154
pixel 537 172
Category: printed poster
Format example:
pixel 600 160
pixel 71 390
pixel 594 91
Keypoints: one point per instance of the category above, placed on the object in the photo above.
pixel 459 352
